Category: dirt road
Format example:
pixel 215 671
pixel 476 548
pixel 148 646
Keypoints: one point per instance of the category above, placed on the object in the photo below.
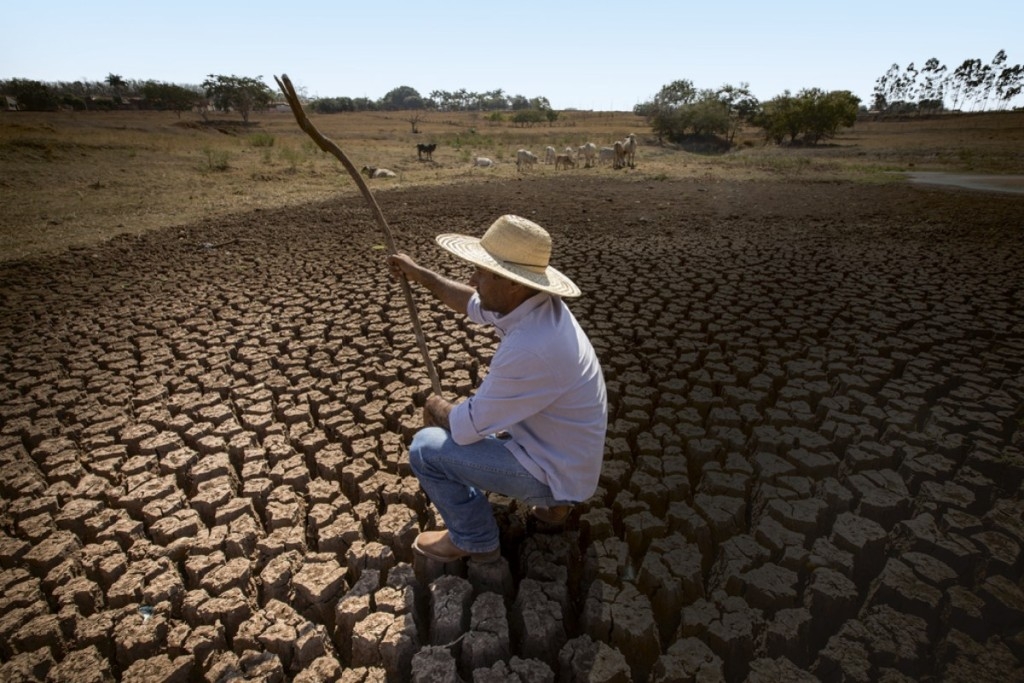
pixel 813 468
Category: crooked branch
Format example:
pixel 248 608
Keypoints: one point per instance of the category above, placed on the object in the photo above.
pixel 329 146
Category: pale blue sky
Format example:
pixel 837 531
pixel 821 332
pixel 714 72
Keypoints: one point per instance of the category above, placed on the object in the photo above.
pixel 588 55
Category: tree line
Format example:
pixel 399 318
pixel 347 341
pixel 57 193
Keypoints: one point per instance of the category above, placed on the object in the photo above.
pixel 244 95
pixel 973 85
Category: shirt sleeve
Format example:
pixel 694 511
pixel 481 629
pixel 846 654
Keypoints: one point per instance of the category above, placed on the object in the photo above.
pixel 519 383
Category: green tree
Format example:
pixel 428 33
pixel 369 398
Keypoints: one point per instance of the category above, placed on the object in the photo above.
pixel 932 89
pixel 1008 84
pixel 824 113
pixel 169 96
pixel 519 102
pixel 740 104
pixel 402 98
pixel 810 116
pixel 332 105
pixel 116 83
pixel 241 93
pixel 528 117
pixel 680 110
pixel 32 95
pixel 965 80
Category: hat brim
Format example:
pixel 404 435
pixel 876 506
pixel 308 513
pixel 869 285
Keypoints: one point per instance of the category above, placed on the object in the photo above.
pixel 549 280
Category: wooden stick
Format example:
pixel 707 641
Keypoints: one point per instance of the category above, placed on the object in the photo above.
pixel 328 146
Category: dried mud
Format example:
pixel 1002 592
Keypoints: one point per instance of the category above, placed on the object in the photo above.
pixel 813 468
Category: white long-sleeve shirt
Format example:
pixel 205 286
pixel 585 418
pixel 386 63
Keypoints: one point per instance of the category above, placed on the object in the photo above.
pixel 545 388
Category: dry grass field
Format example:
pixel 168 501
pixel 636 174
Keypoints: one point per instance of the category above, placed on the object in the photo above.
pixel 71 179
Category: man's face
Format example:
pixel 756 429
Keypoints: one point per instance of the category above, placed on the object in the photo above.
pixel 497 293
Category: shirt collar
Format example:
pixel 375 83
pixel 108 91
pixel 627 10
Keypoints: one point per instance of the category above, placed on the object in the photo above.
pixel 506 323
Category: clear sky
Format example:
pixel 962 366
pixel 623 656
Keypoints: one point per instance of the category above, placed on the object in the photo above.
pixel 579 54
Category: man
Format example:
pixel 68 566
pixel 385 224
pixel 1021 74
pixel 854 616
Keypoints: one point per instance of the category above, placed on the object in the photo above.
pixel 535 428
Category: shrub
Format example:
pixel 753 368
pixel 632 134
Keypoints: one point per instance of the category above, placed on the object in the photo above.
pixel 261 140
pixel 216 159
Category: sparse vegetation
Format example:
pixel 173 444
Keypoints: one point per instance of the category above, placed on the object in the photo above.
pixel 216 159
pixel 170 171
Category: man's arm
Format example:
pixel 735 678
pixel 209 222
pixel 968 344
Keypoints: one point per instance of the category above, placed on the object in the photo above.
pixel 453 294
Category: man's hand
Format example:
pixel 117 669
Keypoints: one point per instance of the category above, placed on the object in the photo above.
pixel 402 265
pixel 436 411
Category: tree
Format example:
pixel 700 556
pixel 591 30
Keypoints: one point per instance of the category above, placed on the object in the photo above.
pixel 116 83
pixel 679 109
pixel 666 112
pixel 520 102
pixel 740 105
pixel 964 80
pixel 332 105
pixel 528 117
pixel 676 94
pixel 32 95
pixel 883 88
pixel 990 76
pixel 810 116
pixel 402 98
pixel 823 113
pixel 778 118
pixel 169 96
pixel 932 91
pixel 243 94
pixel 1009 84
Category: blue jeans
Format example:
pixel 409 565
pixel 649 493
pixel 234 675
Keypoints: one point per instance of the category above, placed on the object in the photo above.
pixel 457 478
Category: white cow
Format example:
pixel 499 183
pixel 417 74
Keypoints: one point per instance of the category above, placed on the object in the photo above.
pixel 549 155
pixel 588 153
pixel 483 162
pixel 630 144
pixel 606 155
pixel 620 154
pixel 374 172
pixel 625 152
pixel 525 158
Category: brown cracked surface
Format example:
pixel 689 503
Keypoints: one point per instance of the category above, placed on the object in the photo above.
pixel 813 465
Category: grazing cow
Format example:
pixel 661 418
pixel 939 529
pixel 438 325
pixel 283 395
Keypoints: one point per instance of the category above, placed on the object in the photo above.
pixel 549 155
pixel 606 155
pixel 374 172
pixel 424 150
pixel 564 161
pixel 483 162
pixel 525 158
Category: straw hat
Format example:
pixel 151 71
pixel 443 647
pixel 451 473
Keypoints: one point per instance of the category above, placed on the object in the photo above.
pixel 516 248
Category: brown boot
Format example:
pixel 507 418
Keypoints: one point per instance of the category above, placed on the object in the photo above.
pixel 553 516
pixel 438 545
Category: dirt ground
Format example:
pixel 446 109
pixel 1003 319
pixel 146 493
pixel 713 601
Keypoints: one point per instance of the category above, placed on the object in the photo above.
pixel 813 468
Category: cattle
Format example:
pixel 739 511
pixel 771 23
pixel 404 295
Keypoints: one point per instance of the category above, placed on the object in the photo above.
pixel 625 152
pixel 588 153
pixel 483 162
pixel 606 155
pixel 525 158
pixel 630 147
pixel 425 150
pixel 374 172
pixel 549 155
pixel 564 161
